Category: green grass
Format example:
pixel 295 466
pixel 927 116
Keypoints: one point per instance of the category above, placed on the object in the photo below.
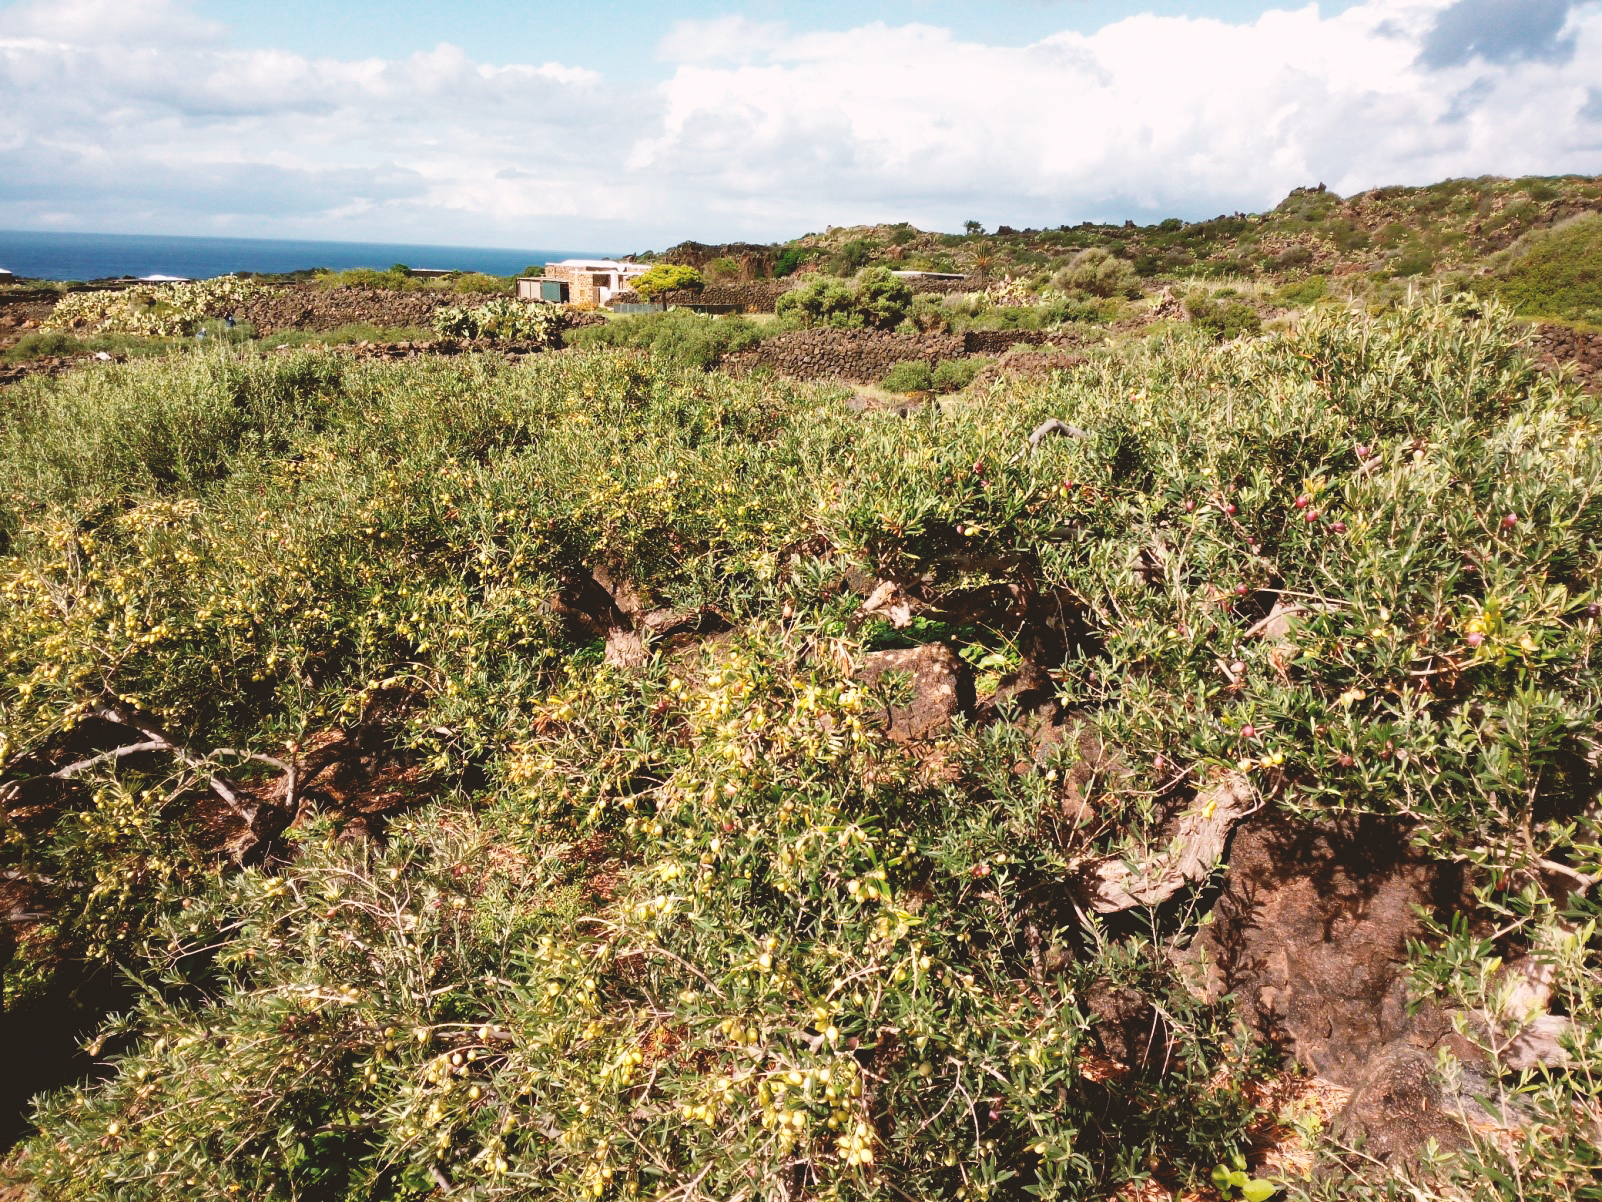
pixel 674 930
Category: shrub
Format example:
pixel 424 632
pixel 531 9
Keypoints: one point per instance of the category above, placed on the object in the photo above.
pixel 723 269
pixel 790 258
pixel 881 298
pixel 1556 272
pixel 502 321
pixel 42 343
pixel 1289 259
pixel 1224 319
pixel 1304 292
pixel 1415 260
pixel 911 375
pixel 398 278
pixel 149 310
pixel 693 339
pixel 821 302
pixel 699 925
pixel 668 277
pixel 953 375
pixel 478 282
pixel 928 314
pixel 853 256
pixel 1098 272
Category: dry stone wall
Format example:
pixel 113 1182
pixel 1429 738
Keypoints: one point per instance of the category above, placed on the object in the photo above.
pixel 1560 344
pixel 866 356
pixel 309 307
pixel 746 296
pixel 859 356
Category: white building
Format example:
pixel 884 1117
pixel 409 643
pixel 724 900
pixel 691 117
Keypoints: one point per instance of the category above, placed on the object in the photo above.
pixel 588 281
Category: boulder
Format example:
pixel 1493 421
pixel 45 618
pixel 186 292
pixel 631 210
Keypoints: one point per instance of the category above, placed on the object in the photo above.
pixel 1311 932
pixel 1397 1108
pixel 941 688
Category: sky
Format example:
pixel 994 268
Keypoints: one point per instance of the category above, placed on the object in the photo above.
pixel 631 124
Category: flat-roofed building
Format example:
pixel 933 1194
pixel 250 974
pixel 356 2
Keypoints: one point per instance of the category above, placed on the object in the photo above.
pixel 584 281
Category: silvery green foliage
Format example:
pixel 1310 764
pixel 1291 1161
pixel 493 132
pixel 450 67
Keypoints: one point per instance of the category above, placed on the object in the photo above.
pixel 503 320
pixel 151 310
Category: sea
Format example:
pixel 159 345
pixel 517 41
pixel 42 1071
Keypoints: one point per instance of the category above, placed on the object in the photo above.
pixel 60 256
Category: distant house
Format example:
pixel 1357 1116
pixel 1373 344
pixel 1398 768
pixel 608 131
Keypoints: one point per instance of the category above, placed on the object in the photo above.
pixel 912 277
pixel 581 281
pixel 5 276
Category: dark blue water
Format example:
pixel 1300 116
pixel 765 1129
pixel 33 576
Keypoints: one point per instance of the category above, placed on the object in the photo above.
pixel 53 256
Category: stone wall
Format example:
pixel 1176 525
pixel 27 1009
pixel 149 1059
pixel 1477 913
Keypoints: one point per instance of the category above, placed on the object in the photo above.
pixel 996 342
pixel 942 287
pixel 748 296
pixel 1559 344
pixel 859 356
pixel 310 307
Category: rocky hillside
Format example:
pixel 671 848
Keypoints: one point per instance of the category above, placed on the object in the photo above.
pixel 1388 233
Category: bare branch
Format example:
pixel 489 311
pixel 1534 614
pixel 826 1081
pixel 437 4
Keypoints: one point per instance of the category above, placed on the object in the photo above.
pixel 72 770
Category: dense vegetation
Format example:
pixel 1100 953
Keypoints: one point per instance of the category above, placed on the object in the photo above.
pixel 1556 272
pixel 566 927
pixel 679 335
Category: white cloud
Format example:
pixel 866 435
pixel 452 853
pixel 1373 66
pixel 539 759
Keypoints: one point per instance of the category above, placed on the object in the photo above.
pixel 1149 115
pixel 130 114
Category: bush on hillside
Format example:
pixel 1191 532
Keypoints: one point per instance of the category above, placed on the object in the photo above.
pixel 882 298
pixel 1412 261
pixel 1556 272
pixel 1098 272
pixel 1303 292
pixel 1223 318
pixel 693 339
pixel 912 375
pixel 853 256
pixel 791 258
pixel 877 299
pixel 664 278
